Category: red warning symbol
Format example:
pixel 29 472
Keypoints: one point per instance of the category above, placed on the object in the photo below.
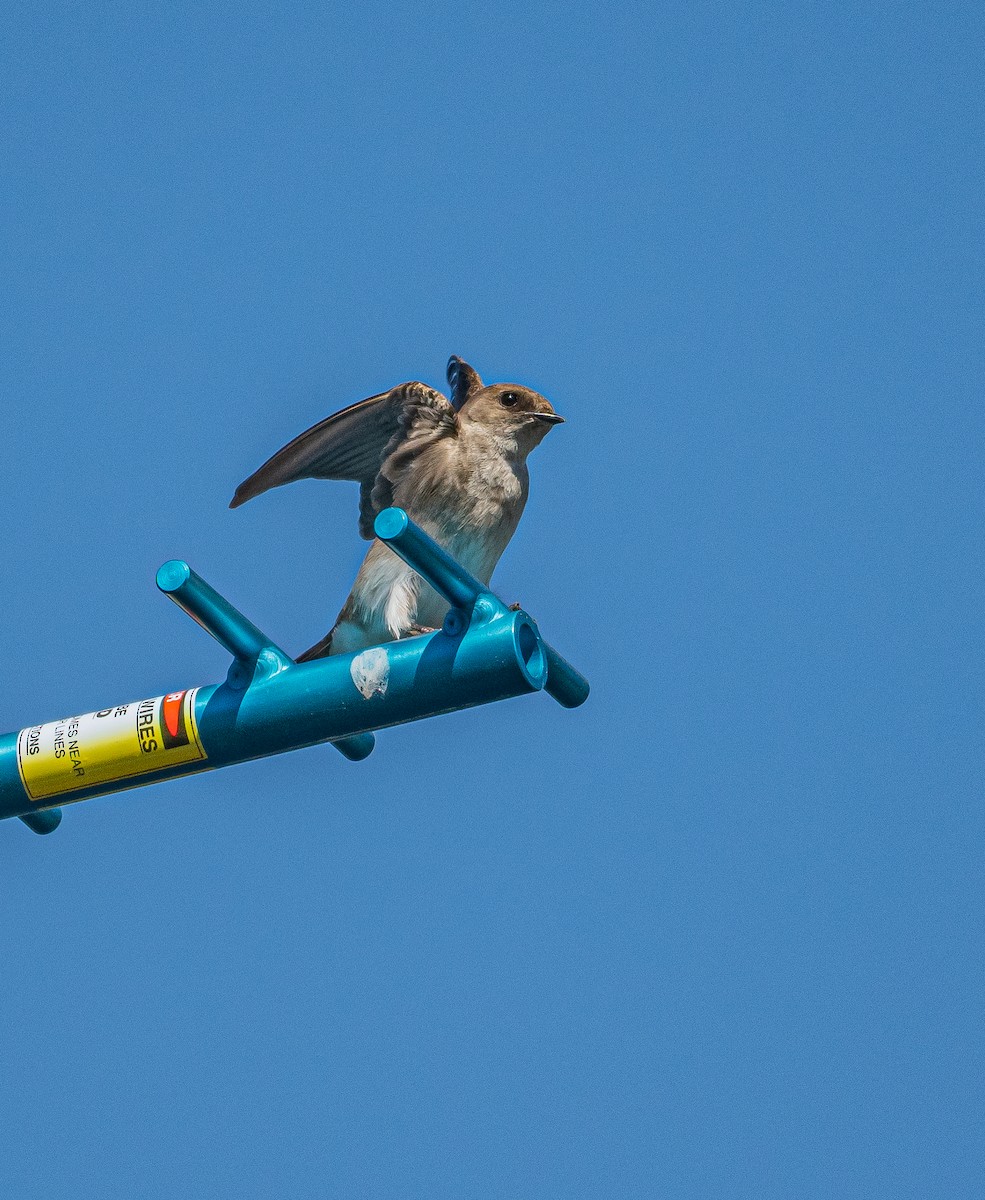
pixel 172 717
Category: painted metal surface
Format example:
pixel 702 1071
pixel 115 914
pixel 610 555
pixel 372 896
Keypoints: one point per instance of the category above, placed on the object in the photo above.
pixel 269 704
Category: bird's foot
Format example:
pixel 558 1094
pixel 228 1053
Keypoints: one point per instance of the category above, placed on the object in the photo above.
pixel 515 607
pixel 417 630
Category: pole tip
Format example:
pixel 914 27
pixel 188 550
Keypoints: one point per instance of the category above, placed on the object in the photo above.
pixel 390 524
pixel 45 821
pixel 173 575
pixel 356 746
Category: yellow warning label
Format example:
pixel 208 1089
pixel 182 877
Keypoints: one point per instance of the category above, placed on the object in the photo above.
pixel 109 745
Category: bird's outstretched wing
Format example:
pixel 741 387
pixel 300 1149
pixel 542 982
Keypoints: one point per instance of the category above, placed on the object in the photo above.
pixel 354 443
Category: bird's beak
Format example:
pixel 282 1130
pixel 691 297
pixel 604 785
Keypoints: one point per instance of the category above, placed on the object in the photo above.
pixel 548 418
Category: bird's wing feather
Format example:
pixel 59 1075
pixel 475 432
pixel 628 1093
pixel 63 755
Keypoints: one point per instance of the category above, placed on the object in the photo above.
pixel 463 380
pixel 354 443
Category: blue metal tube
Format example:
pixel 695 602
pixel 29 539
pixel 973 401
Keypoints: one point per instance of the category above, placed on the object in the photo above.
pixel 214 613
pixel 564 683
pixel 443 573
pixel 462 590
pixel 343 696
pixel 254 654
pixel 46 820
pixel 269 703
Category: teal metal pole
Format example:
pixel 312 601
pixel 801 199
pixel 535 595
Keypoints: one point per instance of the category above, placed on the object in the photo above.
pixel 254 655
pixel 446 576
pixel 269 704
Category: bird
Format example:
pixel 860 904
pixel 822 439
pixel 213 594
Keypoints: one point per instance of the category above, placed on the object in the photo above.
pixel 457 466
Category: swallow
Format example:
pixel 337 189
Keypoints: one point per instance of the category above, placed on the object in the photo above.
pixel 457 466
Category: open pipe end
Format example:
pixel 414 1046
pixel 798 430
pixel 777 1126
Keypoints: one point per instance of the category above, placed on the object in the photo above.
pixel 531 651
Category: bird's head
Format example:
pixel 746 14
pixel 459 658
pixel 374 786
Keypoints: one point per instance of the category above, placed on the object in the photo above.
pixel 513 412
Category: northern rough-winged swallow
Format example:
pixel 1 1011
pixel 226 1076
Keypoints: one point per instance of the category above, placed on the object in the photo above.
pixel 458 468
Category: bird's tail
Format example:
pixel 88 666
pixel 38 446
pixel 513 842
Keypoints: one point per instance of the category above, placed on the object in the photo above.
pixel 318 650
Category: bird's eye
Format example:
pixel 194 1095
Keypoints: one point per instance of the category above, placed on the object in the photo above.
pixel 509 399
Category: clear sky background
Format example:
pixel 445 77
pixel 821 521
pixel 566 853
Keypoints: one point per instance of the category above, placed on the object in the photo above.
pixel 718 933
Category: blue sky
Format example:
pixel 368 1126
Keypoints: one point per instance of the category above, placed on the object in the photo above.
pixel 718 932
